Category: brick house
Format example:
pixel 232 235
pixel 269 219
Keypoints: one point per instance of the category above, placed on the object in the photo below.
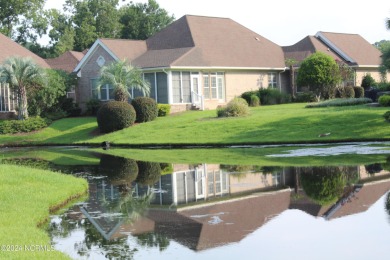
pixel 352 49
pixel 195 61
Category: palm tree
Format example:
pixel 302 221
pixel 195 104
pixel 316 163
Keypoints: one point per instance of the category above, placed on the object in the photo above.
pixel 121 75
pixel 22 74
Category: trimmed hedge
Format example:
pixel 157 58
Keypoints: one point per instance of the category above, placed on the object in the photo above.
pixel 359 92
pixel 115 115
pixel 340 102
pixel 349 92
pixel 384 101
pixel 270 96
pixel 305 97
pixel 145 108
pixel 23 126
pixel 163 109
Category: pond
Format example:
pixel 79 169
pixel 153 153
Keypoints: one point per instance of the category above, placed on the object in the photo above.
pixel 274 202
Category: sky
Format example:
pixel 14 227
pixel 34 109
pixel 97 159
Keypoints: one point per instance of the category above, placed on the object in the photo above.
pixel 286 22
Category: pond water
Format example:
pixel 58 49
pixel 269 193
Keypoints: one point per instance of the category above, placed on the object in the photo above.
pixel 330 207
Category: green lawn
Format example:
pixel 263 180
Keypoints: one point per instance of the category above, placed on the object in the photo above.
pixel 27 196
pixel 290 123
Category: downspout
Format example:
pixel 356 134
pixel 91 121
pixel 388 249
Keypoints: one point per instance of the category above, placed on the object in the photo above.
pixel 280 79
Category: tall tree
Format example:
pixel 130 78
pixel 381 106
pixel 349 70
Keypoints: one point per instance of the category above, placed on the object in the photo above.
pixel 122 76
pixel 386 51
pixel 23 20
pixel 93 19
pixel 320 73
pixel 140 21
pixel 22 74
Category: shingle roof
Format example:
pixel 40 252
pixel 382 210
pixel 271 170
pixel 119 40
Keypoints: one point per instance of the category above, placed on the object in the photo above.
pixel 67 61
pixel 306 47
pixel 125 49
pixel 355 46
pixel 211 42
pixel 350 48
pixel 9 48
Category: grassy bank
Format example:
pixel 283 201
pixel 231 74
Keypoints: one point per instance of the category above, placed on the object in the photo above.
pixel 27 196
pixel 291 123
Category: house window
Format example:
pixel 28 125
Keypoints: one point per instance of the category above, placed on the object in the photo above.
pixel 214 85
pixel 106 92
pixel 101 61
pixel 272 82
pixel 181 87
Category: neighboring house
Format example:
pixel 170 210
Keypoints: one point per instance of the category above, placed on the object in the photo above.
pixel 352 49
pixel 9 48
pixel 195 61
pixel 67 62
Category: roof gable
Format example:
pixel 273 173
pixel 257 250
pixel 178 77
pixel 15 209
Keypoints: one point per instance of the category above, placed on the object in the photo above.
pixel 9 48
pixel 118 49
pixel 352 47
pixel 66 62
pixel 306 47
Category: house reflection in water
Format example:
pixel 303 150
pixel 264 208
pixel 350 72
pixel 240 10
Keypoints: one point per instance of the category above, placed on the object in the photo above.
pixel 208 181
pixel 205 206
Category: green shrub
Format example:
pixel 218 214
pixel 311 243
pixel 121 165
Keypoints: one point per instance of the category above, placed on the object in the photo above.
pixel 349 92
pixel 387 115
pixel 359 92
pixel 248 94
pixel 255 101
pixel 115 115
pixel 93 105
pixel 236 107
pixel 119 170
pixel 149 172
pixel 384 86
pixel 305 97
pixel 270 96
pixel 145 108
pixel 340 102
pixel 384 100
pixel 368 81
pixel 163 109
pixel 23 126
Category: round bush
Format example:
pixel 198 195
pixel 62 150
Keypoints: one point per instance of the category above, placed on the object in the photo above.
pixel 349 92
pixel 115 115
pixel 145 108
pixel 359 92
pixel 384 101
pixel 255 101
pixel 149 173
pixel 119 170
pixel 236 107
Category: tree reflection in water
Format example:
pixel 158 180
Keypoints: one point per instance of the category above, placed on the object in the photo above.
pixel 325 185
